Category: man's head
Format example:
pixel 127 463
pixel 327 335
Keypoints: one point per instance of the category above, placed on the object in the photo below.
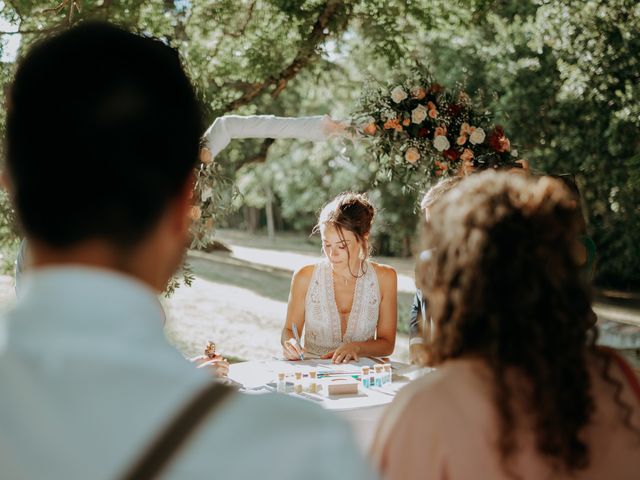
pixel 102 136
pixel 435 193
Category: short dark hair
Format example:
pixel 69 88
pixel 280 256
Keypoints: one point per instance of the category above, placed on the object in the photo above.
pixel 102 132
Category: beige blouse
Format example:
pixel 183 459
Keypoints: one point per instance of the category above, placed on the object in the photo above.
pixel 444 426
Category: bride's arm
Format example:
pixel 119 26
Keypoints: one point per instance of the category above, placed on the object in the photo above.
pixel 228 127
pixel 295 312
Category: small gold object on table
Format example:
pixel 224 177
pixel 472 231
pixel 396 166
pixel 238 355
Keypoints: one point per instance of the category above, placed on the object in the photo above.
pixel 210 350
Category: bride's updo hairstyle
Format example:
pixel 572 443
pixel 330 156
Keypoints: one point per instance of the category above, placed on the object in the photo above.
pixel 352 212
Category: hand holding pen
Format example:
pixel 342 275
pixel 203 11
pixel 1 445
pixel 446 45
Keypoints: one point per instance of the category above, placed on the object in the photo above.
pixel 292 348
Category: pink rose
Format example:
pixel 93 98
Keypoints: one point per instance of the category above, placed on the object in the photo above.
pixel 398 94
pixel 477 136
pixel 412 155
pixel 418 114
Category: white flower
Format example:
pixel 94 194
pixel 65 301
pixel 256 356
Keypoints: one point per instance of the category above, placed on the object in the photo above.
pixel 477 137
pixel 419 114
pixel 398 94
pixel 207 193
pixel 514 152
pixel 441 143
pixel 388 115
pixel 412 155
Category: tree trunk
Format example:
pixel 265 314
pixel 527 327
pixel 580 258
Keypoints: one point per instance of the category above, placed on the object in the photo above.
pixel 406 246
pixel 251 218
pixel 269 210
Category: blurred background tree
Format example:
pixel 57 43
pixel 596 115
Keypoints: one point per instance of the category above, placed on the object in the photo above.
pixel 561 76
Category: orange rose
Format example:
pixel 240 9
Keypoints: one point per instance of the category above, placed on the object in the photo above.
pixel 205 156
pixel 406 122
pixel 467 155
pixel 462 139
pixel 370 129
pixel 391 124
pixel 439 131
pixel 195 213
pixel 464 129
pixel 433 113
pixel 418 93
pixel 441 167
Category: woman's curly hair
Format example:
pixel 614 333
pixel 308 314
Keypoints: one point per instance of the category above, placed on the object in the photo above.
pixel 503 286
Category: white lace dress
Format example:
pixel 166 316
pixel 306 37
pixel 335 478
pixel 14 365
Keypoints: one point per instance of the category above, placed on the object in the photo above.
pixel 322 330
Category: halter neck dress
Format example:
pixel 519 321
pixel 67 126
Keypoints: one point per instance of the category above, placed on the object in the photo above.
pixel 323 332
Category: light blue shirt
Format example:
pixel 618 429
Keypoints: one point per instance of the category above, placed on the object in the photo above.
pixel 87 378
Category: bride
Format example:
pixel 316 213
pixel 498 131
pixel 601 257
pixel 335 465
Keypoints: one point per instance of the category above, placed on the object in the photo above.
pixel 346 304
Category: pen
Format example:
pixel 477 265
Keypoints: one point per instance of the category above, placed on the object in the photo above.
pixel 297 337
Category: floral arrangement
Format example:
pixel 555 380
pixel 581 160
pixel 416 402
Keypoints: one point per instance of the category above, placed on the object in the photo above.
pixel 212 200
pixel 418 126
pixel 213 195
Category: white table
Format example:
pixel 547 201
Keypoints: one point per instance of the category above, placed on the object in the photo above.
pixel 362 410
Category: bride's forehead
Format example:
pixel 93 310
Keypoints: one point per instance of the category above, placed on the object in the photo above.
pixel 330 234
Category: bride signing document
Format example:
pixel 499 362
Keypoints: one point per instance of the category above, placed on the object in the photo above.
pixel 345 304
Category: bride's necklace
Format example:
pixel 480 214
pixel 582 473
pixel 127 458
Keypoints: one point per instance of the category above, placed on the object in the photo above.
pixel 344 279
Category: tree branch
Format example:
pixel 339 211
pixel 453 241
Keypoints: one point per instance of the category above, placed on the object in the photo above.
pixel 305 54
pixel 261 157
pixel 245 24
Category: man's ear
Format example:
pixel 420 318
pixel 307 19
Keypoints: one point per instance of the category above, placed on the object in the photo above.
pixel 5 181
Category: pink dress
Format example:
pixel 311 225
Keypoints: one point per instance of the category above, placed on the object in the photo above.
pixel 444 426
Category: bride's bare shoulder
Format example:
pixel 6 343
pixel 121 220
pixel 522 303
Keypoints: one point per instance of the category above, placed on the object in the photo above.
pixel 304 274
pixel 384 270
pixel 387 276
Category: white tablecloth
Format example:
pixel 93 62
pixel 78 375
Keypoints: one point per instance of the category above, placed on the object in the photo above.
pixel 362 410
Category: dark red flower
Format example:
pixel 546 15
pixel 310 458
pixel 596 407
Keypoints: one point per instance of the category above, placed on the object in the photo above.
pixel 435 88
pixel 452 154
pixel 423 132
pixel 498 141
pixel 454 109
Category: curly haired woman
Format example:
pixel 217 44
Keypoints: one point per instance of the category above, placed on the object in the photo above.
pixel 521 390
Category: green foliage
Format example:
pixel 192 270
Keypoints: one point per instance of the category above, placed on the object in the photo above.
pixel 562 77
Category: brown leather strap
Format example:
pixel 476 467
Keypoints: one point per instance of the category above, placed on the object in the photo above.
pixel 164 448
